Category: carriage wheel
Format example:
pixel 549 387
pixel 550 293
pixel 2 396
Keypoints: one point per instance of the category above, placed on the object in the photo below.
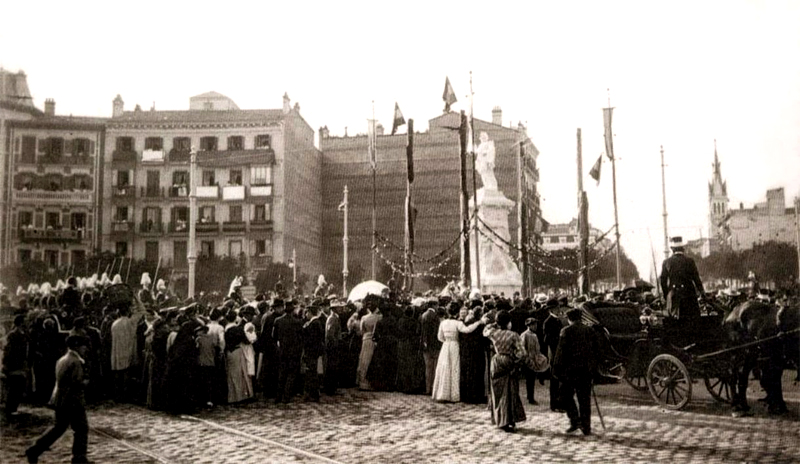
pixel 669 382
pixel 720 389
pixel 638 383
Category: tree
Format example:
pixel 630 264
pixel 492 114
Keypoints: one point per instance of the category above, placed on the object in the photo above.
pixel 212 274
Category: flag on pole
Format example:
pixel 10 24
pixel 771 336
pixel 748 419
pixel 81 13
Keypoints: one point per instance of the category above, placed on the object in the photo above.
pixel 449 96
pixel 372 143
pixel 595 171
pixel 608 134
pixel 342 205
pixel 398 120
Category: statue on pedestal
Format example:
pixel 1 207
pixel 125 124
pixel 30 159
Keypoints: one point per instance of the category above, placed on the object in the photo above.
pixel 484 162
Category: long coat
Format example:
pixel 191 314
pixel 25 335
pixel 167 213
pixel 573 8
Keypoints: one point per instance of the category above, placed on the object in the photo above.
pixel 576 355
pixel 681 283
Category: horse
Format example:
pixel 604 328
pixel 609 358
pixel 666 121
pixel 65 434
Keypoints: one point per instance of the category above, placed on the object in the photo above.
pixel 757 321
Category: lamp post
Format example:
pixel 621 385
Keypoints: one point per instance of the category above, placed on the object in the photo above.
pixel 192 254
pixel 344 245
pixel 294 266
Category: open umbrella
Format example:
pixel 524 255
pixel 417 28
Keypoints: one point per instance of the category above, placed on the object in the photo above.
pixel 370 287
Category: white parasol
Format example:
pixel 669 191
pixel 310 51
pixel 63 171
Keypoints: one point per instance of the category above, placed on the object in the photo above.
pixel 370 287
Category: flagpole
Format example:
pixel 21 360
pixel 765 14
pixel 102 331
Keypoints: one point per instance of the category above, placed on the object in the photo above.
pixel 583 222
pixel 610 138
pixel 344 247
pixel 474 187
pixel 409 227
pixel 374 187
pixel 465 267
pixel 664 207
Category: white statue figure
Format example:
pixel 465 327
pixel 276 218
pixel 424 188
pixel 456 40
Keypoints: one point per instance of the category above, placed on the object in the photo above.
pixel 484 162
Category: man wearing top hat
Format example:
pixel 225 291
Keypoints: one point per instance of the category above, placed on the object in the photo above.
pixel 680 282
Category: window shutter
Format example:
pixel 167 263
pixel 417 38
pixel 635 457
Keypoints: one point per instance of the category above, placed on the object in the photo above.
pixel 91 147
pixel 65 220
pixel 64 258
pixel 89 218
pixel 67 147
pixel 114 177
pixel 44 145
pixel 16 145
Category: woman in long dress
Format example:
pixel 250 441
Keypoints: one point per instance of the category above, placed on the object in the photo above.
pixel 368 324
pixel 408 343
pixel 509 357
pixel 240 386
pixel 446 383
pixel 382 373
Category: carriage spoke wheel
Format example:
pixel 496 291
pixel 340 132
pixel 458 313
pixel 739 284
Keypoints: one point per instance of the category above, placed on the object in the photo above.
pixel 669 382
pixel 719 388
pixel 638 383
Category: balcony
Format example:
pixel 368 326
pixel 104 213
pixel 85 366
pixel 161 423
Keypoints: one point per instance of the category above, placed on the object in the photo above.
pixel 153 156
pixel 126 191
pixel 151 192
pixel 67 160
pixel 260 225
pixel 233 192
pixel 26 158
pixel 179 227
pixel 121 227
pixel 123 156
pixel 261 190
pixel 50 235
pixel 62 196
pixel 151 228
pixel 234 226
pixel 179 156
pixel 207 227
pixel 260 262
pixel 208 191
pixel 179 191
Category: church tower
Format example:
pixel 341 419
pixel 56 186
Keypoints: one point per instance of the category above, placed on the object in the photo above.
pixel 717 198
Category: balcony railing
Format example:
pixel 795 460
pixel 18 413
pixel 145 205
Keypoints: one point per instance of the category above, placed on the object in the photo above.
pixel 261 190
pixel 151 228
pixel 207 191
pixel 260 225
pixel 26 158
pixel 153 156
pixel 233 192
pixel 65 196
pixel 123 155
pixel 179 227
pixel 234 226
pixel 121 227
pixel 50 235
pixel 206 227
pixel 179 191
pixel 260 262
pixel 151 192
pixel 179 156
pixel 127 191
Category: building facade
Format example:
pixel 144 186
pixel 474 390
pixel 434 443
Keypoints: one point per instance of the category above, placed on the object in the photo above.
pixel 567 236
pixel 436 188
pixel 253 199
pixel 741 228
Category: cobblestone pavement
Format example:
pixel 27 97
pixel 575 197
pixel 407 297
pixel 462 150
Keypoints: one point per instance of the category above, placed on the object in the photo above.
pixel 358 426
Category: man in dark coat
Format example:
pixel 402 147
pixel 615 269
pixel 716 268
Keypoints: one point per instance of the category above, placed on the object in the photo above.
pixel 69 404
pixel 550 332
pixel 574 365
pixel 268 348
pixel 16 365
pixel 519 314
pixel 430 344
pixel 288 335
pixel 70 298
pixel 313 349
pixel 680 281
pixel 333 337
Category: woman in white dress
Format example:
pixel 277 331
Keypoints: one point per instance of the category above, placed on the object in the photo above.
pixel 448 369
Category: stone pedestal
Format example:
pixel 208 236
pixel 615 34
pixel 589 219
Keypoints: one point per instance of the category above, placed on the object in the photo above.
pixel 499 273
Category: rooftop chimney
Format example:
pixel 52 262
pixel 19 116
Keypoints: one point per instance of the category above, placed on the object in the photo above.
pixel 297 107
pixel 286 103
pixel 324 132
pixel 497 116
pixel 118 108
pixel 49 107
pixel 379 129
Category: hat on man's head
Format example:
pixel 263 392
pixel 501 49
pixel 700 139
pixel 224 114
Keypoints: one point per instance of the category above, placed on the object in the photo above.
pixel 677 242
pixel 574 314
pixel 540 299
pixel 530 321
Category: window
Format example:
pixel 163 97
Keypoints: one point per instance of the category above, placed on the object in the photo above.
pixel 208 143
pixel 235 214
pixel 207 214
pixel 260 175
pixel 236 142
pixel 121 214
pixel 151 219
pixel 553 239
pixel 25 256
pixel 123 178
pixel 179 254
pixel 262 213
pixel 78 221
pixel 82 147
pixel 56 146
pixel 121 248
pixel 182 144
pixel 208 106
pixel 153 184
pixel 180 218
pixel 25 219
pixel 52 220
pixel 28 149
pixel 263 141
pixel 78 257
pixel 570 238
pixel 180 178
pixel 125 144
pixel 208 178
pixel 261 248
pixel 154 143
pixel 235 177
pixel 151 251
pixel 51 258
pixel 206 248
pixel 235 248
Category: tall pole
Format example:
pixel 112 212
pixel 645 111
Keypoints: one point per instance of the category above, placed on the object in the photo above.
pixel 583 222
pixel 474 188
pixel 797 233
pixel 344 245
pixel 192 255
pixel 408 284
pixel 374 188
pixel 294 266
pixel 664 206
pixel 609 136
pixel 465 268
pixel 522 239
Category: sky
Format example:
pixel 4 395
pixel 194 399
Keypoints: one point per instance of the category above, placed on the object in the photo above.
pixel 680 74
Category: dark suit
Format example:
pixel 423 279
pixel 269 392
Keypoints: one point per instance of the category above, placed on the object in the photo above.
pixel 288 334
pixel 575 364
pixel 518 316
pixel 267 347
pixel 680 281
pixel 313 349
pixel 333 336
pixel 551 333
pixel 15 368
pixel 430 345
pixel 68 401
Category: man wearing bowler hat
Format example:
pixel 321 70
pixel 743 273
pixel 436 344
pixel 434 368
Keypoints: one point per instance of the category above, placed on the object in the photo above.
pixel 680 282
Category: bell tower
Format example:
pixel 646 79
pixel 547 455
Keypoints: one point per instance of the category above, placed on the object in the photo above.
pixel 717 198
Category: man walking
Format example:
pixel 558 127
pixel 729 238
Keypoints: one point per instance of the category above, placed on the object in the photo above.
pixel 430 344
pixel 288 336
pixel 574 365
pixel 69 403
